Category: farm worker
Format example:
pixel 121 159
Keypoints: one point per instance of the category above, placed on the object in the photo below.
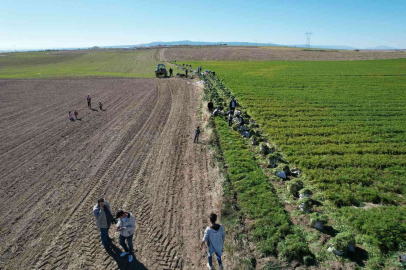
pixel 126 227
pixel 197 132
pixel 214 236
pixel 76 114
pixel 89 102
pixel 100 106
pixel 104 218
pixel 70 116
pixel 233 104
pixel 170 72
pixel 240 120
pixel 230 119
pixel 210 105
pixel 186 72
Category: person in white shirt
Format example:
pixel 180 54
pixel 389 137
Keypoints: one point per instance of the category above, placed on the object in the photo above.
pixel 126 227
pixel 214 236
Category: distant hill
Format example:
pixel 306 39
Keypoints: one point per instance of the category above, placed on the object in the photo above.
pixel 330 47
pixel 382 48
pixel 204 43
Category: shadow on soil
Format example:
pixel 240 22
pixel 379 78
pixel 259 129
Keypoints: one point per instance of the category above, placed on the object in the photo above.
pixel 330 231
pixel 360 256
pixel 122 262
pixel 205 142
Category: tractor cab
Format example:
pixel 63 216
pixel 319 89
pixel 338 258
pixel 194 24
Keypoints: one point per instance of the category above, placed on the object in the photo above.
pixel 160 67
pixel 161 70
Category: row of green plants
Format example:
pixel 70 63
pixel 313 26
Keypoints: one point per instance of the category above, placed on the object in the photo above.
pixel 248 186
pixel 255 196
pixel 363 102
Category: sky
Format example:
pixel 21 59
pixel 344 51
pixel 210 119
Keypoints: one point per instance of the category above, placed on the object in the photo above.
pixel 44 24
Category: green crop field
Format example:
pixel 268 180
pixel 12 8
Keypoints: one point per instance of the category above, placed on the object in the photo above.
pixel 78 64
pixel 344 125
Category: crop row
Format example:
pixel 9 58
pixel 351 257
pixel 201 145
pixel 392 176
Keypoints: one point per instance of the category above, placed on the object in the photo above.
pixel 255 196
pixel 342 123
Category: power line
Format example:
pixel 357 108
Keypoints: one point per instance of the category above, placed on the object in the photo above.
pixel 308 35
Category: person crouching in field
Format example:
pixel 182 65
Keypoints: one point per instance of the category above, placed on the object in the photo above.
pixel 104 218
pixel 230 119
pixel 197 132
pixel 70 116
pixel 210 105
pixel 126 227
pixel 214 236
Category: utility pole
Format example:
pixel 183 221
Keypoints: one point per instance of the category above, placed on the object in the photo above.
pixel 308 35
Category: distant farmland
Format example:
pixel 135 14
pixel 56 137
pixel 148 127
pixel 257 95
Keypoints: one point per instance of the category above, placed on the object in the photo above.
pixel 344 125
pixel 224 53
pixel 84 63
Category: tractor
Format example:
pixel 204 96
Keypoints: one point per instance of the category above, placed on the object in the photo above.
pixel 161 70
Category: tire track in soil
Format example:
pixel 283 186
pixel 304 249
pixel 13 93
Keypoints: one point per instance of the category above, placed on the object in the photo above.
pixel 43 144
pixel 153 169
pixel 138 152
pixel 23 143
pixel 39 203
pixel 36 189
pixel 79 214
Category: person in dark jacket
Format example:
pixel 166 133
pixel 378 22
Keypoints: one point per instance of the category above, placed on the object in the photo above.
pixel 210 105
pixel 186 72
pixel 104 218
pixel 197 132
pixel 241 120
pixel 170 72
pixel 230 119
pixel 89 101
pixel 233 105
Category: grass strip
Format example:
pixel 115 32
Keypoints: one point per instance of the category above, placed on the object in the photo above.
pixel 256 198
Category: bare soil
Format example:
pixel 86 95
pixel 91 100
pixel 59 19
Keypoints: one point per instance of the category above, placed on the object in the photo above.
pixel 138 153
pixel 216 53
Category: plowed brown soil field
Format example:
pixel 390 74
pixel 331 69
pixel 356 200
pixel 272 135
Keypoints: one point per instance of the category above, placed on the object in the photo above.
pixel 217 53
pixel 138 153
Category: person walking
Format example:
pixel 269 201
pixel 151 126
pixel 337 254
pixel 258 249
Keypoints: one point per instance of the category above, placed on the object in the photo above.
pixel 230 119
pixel 233 104
pixel 210 105
pixel 197 132
pixel 186 72
pixel 104 218
pixel 126 227
pixel 100 106
pixel 214 237
pixel 76 115
pixel 170 72
pixel 89 102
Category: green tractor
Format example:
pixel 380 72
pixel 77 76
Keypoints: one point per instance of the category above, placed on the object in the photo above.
pixel 161 70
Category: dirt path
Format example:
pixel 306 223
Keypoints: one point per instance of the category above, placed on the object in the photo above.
pixel 138 154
